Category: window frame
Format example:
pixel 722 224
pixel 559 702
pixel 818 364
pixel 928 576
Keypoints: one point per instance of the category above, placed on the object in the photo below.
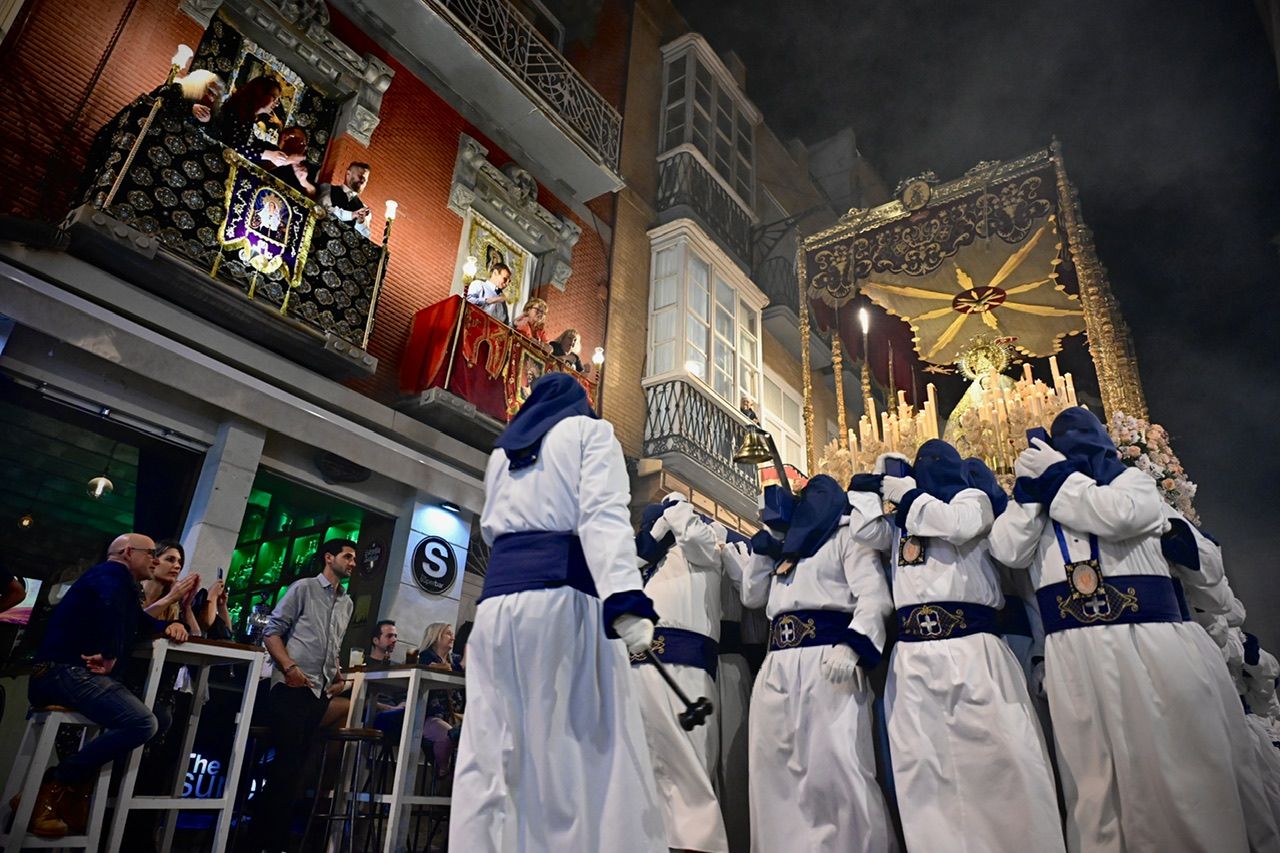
pixel 774 419
pixel 687 360
pixel 716 121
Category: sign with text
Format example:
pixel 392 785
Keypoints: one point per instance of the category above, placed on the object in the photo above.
pixel 435 565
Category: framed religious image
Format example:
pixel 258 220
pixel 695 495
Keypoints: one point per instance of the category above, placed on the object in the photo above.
pixel 488 245
pixel 256 62
pixel 916 194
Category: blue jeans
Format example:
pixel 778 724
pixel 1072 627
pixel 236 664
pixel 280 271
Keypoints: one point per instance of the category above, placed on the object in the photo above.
pixel 126 723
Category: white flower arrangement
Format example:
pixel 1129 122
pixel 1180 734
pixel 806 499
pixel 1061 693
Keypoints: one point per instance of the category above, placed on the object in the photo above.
pixel 1145 446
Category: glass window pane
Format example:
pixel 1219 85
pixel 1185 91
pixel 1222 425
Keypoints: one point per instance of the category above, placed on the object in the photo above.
pixel 747 350
pixel 696 363
pixel 695 333
pixel 772 397
pixel 725 294
pixel 664 357
pixel 724 357
pixel 747 379
pixel 791 412
pixel 724 385
pixel 664 325
pixel 702 86
pixel 699 280
pixel 795 453
pixel 724 324
pixel 747 318
pixel 664 292
pixel 666 263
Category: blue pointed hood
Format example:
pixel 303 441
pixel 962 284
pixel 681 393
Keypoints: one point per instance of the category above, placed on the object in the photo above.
pixel 817 513
pixel 939 470
pixel 979 476
pixel 1078 435
pixel 554 397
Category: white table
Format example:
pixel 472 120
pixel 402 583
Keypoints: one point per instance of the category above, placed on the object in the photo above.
pixel 198 655
pixel 416 682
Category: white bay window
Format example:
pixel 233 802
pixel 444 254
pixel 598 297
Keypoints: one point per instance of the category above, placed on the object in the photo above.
pixel 704 315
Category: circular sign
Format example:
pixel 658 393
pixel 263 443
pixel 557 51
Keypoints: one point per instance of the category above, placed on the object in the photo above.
pixel 435 566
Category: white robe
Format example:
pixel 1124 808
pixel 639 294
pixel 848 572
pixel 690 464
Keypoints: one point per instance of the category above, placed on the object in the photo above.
pixel 1206 589
pixel 553 753
pixel 813 766
pixel 686 593
pixel 733 687
pixel 1144 745
pixel 969 762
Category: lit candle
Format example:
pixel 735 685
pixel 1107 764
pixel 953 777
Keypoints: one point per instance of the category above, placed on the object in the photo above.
pixel 1071 390
pixel 884 429
pixel 1053 370
pixel 869 406
pixel 1026 371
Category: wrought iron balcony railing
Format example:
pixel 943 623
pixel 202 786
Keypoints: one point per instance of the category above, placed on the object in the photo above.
pixel 250 234
pixel 681 418
pixel 777 278
pixel 524 52
pixel 683 181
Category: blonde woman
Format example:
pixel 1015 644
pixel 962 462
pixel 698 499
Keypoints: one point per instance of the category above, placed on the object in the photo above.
pixel 532 322
pixel 443 706
pixel 167 598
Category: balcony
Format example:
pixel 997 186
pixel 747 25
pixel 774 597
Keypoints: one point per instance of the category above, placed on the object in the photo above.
pixel 466 374
pixel 277 270
pixel 696 438
pixel 687 187
pixel 492 66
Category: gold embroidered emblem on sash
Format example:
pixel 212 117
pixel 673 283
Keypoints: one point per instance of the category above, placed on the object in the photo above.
pixel 1105 605
pixel 933 622
pixel 790 631
pixel 659 648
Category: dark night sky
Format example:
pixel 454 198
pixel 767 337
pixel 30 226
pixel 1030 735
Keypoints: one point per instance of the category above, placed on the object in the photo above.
pixel 1169 115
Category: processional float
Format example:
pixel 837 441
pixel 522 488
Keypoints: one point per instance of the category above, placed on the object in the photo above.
pixel 942 291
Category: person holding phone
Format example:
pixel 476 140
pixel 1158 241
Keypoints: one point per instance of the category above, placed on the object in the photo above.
pixel 489 294
pixel 969 759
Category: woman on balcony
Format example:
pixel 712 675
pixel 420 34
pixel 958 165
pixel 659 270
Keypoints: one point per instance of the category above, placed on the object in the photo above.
pixel 295 174
pixel 235 121
pixel 566 348
pixel 532 322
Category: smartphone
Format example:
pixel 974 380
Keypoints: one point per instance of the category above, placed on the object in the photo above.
pixel 896 468
pixel 219 572
pixel 1037 432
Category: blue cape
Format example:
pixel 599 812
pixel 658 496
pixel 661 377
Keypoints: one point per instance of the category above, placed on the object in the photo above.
pixel 817 513
pixel 555 396
pixel 979 476
pixel 1078 435
pixel 939 471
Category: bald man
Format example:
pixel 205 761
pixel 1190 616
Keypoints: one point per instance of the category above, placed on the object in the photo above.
pixel 95 624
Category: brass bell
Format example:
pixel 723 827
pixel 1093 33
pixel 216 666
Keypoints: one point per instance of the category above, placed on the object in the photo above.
pixel 753 450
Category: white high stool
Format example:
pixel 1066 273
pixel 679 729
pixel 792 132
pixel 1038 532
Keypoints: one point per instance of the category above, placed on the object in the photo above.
pixel 28 771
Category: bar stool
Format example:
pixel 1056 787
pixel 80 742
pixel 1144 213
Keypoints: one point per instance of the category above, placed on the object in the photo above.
pixel 29 766
pixel 367 743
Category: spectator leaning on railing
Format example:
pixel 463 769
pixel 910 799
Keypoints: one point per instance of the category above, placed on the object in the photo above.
pixel 78 666
pixel 343 200
pixel 489 294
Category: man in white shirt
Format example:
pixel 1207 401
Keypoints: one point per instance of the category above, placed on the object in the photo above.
pixel 343 200
pixel 488 294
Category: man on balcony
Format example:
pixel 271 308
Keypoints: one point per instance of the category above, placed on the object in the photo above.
pixel 488 294
pixel 343 200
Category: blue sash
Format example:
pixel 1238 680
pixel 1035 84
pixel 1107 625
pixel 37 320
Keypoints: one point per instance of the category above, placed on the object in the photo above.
pixel 1122 600
pixel 802 628
pixel 945 620
pixel 687 648
pixel 537 559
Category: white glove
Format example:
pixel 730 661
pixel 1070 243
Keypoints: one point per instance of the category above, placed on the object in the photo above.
pixel 635 631
pixel 879 469
pixel 660 529
pixel 839 664
pixel 1037 458
pixel 895 488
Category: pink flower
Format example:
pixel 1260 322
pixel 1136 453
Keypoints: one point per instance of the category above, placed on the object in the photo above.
pixel 1168 484
pixel 1133 451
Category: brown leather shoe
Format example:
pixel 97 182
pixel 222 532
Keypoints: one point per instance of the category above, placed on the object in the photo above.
pixel 73 808
pixel 46 822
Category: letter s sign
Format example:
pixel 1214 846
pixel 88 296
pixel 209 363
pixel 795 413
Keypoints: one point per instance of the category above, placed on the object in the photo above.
pixel 435 566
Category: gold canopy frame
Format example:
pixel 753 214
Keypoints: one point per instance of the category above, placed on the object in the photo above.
pixel 1109 342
